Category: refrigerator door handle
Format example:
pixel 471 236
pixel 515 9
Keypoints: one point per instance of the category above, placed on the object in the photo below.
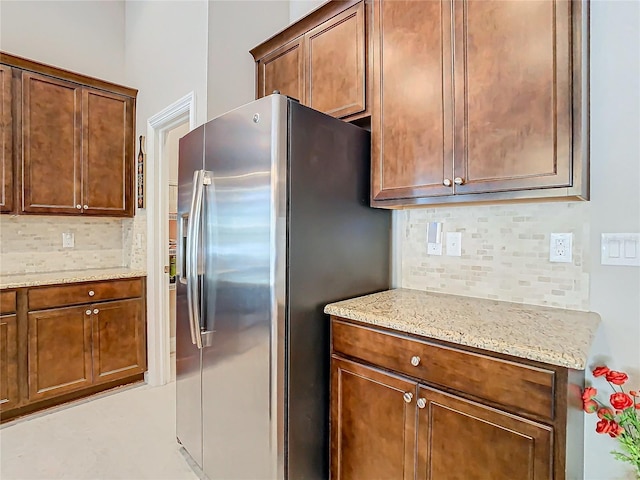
pixel 193 240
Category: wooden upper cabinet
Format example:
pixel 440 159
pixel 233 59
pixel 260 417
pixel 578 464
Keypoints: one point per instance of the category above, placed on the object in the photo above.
pixel 107 150
pixel 283 70
pixel 51 143
pixel 513 95
pixel 321 60
pixel 465 437
pixel 336 64
pixel 372 424
pixel 412 123
pixel 476 100
pixel 6 140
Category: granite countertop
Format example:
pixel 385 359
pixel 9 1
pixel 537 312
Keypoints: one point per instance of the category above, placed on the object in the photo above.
pixel 549 335
pixel 67 276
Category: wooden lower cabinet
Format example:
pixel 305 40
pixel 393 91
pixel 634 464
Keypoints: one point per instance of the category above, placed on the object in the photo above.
pixel 59 351
pixel 118 340
pixel 407 407
pixel 9 391
pixel 372 426
pixel 461 439
pixel 54 347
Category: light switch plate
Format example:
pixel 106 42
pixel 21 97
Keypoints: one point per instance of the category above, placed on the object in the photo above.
pixel 454 244
pixel 620 249
pixel 434 238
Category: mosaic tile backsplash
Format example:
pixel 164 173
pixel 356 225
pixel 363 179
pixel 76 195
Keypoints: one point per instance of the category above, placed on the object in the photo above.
pixel 34 243
pixel 505 253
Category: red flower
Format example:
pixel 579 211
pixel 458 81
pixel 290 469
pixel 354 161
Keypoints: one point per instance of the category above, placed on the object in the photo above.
pixel 615 430
pixel 633 393
pixel 590 406
pixel 604 426
pixel 588 393
pixel 605 412
pixel 617 378
pixel 620 400
pixel 637 406
pixel 599 371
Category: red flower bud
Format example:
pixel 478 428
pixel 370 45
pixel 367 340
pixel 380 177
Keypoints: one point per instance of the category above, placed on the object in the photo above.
pixel 633 393
pixel 590 406
pixel 615 430
pixel 589 393
pixel 605 412
pixel 603 426
pixel 637 406
pixel 599 371
pixel 617 378
pixel 620 401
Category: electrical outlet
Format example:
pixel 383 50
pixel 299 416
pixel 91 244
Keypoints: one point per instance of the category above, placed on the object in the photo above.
pixel 138 242
pixel 454 244
pixel 560 247
pixel 67 240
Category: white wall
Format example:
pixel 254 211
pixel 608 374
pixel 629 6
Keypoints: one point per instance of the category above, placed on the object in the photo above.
pixel 235 27
pixel 299 8
pixel 83 36
pixel 615 205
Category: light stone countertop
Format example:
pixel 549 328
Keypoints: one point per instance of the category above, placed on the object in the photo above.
pixel 67 276
pixel 549 335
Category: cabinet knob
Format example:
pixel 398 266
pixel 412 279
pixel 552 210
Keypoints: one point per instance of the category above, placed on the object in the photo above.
pixel 85 207
pixel 421 403
pixel 88 312
pixel 407 397
pixel 96 311
pixel 446 182
pixel 415 360
pixel 78 206
pixel 457 181
pixel 91 293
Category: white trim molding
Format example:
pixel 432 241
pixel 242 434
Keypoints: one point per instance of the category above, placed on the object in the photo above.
pixel 158 340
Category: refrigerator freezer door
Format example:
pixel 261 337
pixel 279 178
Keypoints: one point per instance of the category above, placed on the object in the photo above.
pixel 241 384
pixel 188 356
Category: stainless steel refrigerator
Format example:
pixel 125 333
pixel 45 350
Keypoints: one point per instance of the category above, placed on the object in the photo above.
pixel 274 223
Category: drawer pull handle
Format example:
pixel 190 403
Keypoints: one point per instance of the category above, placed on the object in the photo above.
pixel 91 293
pixel 88 312
pixel 421 403
pixel 96 311
pixel 415 360
pixel 407 397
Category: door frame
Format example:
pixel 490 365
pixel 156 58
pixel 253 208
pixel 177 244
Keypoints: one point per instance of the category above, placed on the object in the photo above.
pixel 157 178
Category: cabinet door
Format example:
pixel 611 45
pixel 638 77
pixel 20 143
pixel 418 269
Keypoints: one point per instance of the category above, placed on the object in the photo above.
pixel 107 150
pixel 460 439
pixel 9 397
pixel 6 138
pixel 336 64
pixel 412 108
pixel 119 343
pixel 59 351
pixel 513 94
pixel 372 426
pixel 51 141
pixel 283 70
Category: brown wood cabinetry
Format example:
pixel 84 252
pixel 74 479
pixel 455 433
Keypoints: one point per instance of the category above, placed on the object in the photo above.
pixel 321 60
pixel 404 406
pixel 478 100
pixel 6 139
pixel 9 387
pixel 78 339
pixel 75 148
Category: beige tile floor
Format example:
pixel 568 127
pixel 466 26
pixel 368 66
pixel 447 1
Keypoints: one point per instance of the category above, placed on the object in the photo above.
pixel 125 435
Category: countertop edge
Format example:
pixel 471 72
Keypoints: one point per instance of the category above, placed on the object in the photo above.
pixel 75 277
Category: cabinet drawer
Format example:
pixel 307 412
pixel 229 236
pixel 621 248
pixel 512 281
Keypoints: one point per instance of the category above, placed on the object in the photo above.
pixel 89 292
pixel 8 301
pixel 524 388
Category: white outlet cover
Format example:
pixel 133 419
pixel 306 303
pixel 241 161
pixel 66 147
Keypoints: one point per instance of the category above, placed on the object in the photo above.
pixel 67 240
pixel 561 247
